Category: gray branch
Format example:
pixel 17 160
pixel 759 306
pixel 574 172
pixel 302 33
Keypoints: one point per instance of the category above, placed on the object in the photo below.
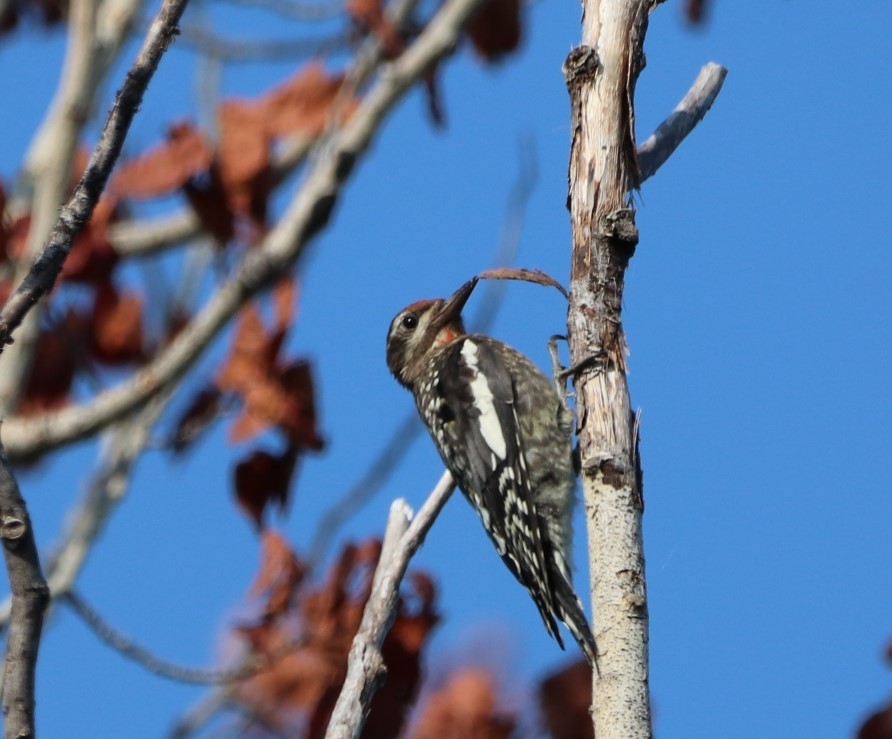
pixel 365 666
pixel 660 145
pixel 30 596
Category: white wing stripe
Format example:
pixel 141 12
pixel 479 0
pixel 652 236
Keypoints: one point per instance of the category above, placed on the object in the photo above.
pixel 490 427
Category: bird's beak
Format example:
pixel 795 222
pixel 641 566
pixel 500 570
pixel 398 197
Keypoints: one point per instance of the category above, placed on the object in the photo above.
pixel 452 308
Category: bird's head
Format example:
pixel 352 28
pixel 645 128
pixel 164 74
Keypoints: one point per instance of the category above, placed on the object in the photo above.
pixel 423 328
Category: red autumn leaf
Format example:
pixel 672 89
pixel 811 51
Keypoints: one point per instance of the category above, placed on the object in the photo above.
pixel 166 167
pixel 243 154
pixel 296 415
pixel 207 197
pixel 201 412
pixel 16 236
pixel 116 327
pixel 565 697
pixel 273 393
pixel 495 30
pixel 297 692
pixel 465 707
pixel 281 572
pixel 59 352
pixel 695 11
pixel 92 258
pixel 253 353
pixel 262 479
pixel 304 103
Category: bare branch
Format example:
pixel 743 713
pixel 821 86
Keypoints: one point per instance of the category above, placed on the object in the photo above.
pixel 30 596
pixel 79 207
pixel 229 50
pixel 660 145
pixel 365 666
pixel 300 11
pixel 306 216
pixel 163 668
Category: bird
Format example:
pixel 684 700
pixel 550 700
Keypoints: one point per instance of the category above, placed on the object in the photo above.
pixel 505 434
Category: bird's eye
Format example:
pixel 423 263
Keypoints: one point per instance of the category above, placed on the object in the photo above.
pixel 410 321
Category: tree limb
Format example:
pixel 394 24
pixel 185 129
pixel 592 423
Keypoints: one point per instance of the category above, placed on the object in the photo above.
pixel 128 648
pixel 365 666
pixel 660 145
pixel 30 596
pixel 604 166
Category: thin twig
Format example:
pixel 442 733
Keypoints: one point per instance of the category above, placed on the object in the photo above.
pixel 164 668
pixel 79 208
pixel 300 11
pixel 229 50
pixel 365 666
pixel 30 596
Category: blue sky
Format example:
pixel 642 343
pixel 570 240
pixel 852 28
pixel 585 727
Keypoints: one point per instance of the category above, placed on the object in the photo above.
pixel 757 310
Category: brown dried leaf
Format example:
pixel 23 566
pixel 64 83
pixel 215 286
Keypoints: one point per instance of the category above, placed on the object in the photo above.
pixel 15 240
pixel 92 258
pixel 281 572
pixel 565 697
pixel 695 11
pixel 878 726
pixel 536 276
pixel 296 694
pixel 253 353
pixel 262 479
pixel 56 359
pixel 303 103
pixel 47 12
pixel 243 156
pixel 168 166
pixel 207 197
pixel 272 393
pixel 496 29
pixel 465 708
pixel 201 412
pixel 296 414
pixel 116 329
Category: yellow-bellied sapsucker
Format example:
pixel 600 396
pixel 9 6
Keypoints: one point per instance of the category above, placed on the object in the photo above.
pixel 504 434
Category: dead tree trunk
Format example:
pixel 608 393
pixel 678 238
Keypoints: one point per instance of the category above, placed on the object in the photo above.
pixel 601 75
